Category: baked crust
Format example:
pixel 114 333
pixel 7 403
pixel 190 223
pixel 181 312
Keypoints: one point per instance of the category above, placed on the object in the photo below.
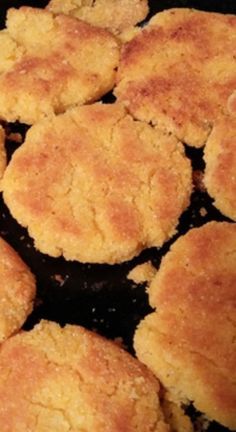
pixel 49 63
pixel 114 15
pixel 72 379
pixel 17 291
pixel 179 72
pixel 220 158
pixel 98 194
pixel 189 342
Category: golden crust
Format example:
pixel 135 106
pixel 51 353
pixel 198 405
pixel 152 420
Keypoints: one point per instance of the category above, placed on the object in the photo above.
pixel 51 63
pixel 220 171
pixel 180 71
pixel 17 291
pixel 72 379
pixel 190 341
pixel 100 193
pixel 114 15
pixel 231 105
pixel 142 273
pixel 174 415
pixel 3 156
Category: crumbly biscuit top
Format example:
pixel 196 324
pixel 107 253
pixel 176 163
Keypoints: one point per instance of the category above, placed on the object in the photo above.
pixel 96 186
pixel 190 340
pixel 197 279
pixel 180 71
pixel 17 291
pixel 114 15
pixel 220 171
pixel 49 63
pixel 72 380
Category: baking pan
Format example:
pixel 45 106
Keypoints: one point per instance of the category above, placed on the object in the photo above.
pixel 100 297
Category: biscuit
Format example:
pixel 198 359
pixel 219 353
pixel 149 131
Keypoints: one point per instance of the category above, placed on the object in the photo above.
pixel 220 158
pixel 17 291
pixel 72 379
pixel 180 71
pixel 3 156
pixel 94 185
pixel 114 15
pixel 189 342
pixel 48 64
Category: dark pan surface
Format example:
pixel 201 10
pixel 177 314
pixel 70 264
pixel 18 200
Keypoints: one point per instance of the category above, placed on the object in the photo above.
pixel 99 296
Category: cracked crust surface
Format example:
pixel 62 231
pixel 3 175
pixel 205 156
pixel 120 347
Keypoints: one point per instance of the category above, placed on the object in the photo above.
pixel 49 63
pixel 189 342
pixel 71 379
pixel 94 185
pixel 3 156
pixel 17 291
pixel 114 15
pixel 180 72
pixel 220 158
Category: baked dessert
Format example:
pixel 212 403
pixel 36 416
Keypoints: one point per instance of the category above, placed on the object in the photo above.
pixel 179 72
pixel 220 159
pixel 17 291
pixel 62 379
pixel 49 63
pixel 189 341
pixel 96 186
pixel 114 15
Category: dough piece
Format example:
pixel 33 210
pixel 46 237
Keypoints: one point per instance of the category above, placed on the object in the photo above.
pixel 17 291
pixel 95 186
pixel 189 342
pixel 114 15
pixel 48 64
pixel 180 71
pixel 70 379
pixel 220 171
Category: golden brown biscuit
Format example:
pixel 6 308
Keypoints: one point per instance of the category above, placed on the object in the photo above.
pixel 114 15
pixel 220 171
pixel 17 291
pixel 93 185
pixel 48 64
pixel 180 71
pixel 70 379
pixel 3 156
pixel 189 342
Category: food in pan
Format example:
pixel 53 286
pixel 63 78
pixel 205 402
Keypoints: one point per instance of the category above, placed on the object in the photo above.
pixel 3 156
pixel 69 379
pixel 94 185
pixel 220 171
pixel 48 64
pixel 17 291
pixel 114 15
pixel 189 341
pixel 180 71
